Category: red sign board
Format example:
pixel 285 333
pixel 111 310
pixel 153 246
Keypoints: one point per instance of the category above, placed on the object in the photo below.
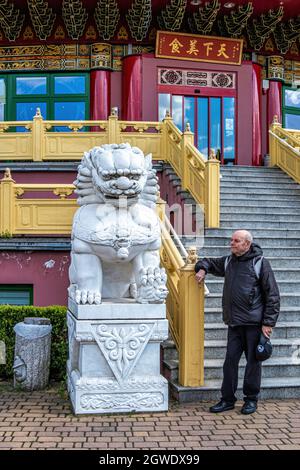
pixel 198 48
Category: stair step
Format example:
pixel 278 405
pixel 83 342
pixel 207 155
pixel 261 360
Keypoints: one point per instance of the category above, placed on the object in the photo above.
pixel 272 388
pixel 283 330
pixel 287 314
pixel 216 349
pixel 266 232
pixel 280 183
pixel 257 210
pixel 287 299
pixel 276 242
pixel 273 367
pixel 282 220
pixel 219 250
pixel 284 285
pixel 258 191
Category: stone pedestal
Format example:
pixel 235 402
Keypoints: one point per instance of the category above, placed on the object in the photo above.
pixel 114 357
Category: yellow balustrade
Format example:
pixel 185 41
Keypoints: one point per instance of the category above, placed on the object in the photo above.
pixel 166 143
pixel 35 216
pixel 185 308
pixel 284 148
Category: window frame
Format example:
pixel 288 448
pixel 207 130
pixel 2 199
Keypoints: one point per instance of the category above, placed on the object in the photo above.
pixel 18 288
pixel 288 109
pixel 50 98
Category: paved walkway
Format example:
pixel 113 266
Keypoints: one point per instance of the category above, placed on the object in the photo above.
pixel 43 420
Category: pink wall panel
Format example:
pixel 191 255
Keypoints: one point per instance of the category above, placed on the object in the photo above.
pixel 47 271
pixel 244 96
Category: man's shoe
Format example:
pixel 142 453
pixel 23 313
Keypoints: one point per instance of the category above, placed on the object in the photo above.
pixel 249 407
pixel 221 406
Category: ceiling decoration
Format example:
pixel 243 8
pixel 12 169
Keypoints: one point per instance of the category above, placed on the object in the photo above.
pixel 139 18
pixel 11 20
pixel 74 16
pixel 237 20
pixel 201 22
pixel 42 18
pixel 107 16
pixel 262 24
pixel 171 17
pixel 286 34
pixel 260 29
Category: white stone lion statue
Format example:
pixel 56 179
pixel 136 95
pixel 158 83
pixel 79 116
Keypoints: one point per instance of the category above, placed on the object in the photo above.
pixel 116 232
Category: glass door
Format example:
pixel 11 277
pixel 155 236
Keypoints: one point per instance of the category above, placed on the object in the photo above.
pixel 212 120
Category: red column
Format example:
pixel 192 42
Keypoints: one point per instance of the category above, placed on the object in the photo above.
pixel 132 88
pixel 274 101
pixel 256 116
pixel 100 94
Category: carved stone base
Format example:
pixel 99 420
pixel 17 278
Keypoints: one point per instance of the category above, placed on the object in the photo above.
pixel 114 364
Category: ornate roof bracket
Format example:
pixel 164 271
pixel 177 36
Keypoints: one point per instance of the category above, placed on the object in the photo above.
pixel 139 18
pixel 237 20
pixel 42 18
pixel 107 16
pixel 203 20
pixel 11 20
pixel 260 30
pixel 74 16
pixel 171 18
pixel 285 34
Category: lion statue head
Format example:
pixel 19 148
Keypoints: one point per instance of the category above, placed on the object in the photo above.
pixel 112 171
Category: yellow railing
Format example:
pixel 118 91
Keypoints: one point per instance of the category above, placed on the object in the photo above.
pixel 35 216
pixel 285 149
pixel 43 143
pixel 185 308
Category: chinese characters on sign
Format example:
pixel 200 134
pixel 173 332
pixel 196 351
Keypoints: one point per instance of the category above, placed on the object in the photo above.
pixel 201 48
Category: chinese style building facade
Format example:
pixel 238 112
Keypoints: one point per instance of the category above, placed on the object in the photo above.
pixel 224 68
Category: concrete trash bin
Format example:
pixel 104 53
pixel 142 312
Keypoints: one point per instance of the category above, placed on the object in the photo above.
pixel 32 353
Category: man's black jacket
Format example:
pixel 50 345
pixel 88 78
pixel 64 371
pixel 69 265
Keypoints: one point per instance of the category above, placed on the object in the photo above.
pixel 246 299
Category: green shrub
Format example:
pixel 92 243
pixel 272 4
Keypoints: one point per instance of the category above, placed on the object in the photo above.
pixel 10 315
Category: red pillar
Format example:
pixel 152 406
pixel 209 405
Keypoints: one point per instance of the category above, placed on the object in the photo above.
pixel 100 94
pixel 256 116
pixel 132 88
pixel 274 101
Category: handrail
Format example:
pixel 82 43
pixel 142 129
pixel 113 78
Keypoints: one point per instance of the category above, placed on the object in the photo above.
pixel 284 148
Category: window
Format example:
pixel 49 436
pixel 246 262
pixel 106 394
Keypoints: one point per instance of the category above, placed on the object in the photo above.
pixel 212 120
pixel 16 294
pixel 291 108
pixel 59 97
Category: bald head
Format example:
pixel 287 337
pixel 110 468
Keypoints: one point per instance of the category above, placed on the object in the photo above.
pixel 241 241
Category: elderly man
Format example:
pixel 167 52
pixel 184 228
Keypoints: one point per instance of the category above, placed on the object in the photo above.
pixel 251 304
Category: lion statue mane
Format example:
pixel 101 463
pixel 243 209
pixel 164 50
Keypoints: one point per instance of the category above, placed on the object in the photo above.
pixel 116 232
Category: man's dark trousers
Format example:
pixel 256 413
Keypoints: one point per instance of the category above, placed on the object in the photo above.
pixel 240 339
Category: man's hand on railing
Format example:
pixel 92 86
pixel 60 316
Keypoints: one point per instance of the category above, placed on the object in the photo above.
pixel 200 275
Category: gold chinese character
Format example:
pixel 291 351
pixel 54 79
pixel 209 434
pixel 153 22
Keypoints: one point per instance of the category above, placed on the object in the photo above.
pixel 175 44
pixel 222 52
pixel 192 49
pixel 208 46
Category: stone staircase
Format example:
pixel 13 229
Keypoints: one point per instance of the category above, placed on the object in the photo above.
pixel 266 202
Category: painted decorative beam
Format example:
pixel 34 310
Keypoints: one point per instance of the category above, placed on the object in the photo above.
pixel 74 16
pixel 237 20
pixel 42 18
pixel 11 20
pixel 139 18
pixel 285 34
pixel 171 18
pixel 107 16
pixel 202 22
pixel 260 29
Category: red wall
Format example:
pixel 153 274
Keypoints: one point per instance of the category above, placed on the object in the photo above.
pixel 116 91
pixel 244 96
pixel 49 284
